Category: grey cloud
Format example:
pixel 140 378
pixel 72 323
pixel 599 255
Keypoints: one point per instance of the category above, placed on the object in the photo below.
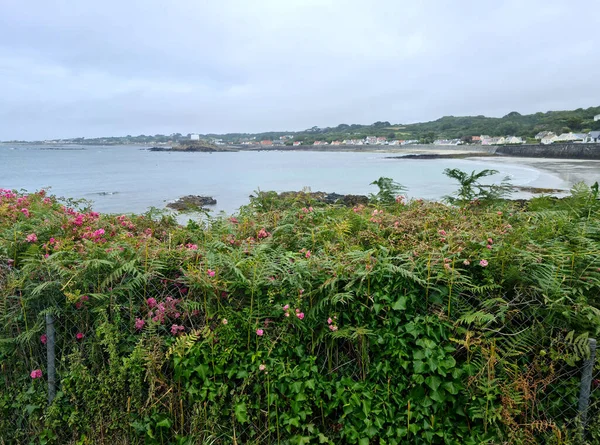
pixel 70 68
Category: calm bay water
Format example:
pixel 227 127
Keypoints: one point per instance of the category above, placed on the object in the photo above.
pixel 130 179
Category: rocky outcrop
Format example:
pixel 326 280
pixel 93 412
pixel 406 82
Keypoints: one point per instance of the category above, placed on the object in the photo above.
pixel 558 151
pixel 328 198
pixel 192 202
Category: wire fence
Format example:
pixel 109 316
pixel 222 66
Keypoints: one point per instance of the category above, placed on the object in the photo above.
pixel 555 380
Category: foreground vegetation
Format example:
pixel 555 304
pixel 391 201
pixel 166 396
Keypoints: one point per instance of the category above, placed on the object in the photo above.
pixel 296 322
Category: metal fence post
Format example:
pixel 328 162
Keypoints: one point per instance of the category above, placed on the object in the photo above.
pixel 586 384
pixel 51 357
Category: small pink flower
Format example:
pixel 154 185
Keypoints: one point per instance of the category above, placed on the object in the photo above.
pixel 151 302
pixel 286 307
pixel 329 320
pixel 307 254
pixel 490 241
pixel 260 332
pixel 192 246
pixel 44 339
pixel 262 233
pixel 31 238
pixel 79 336
pixel 297 310
pixel 211 273
pixel 176 328
pixel 300 315
pixel 489 246
pixel 310 209
pixel 333 328
pixel 262 367
pixel 442 232
pixel 287 314
pixel 499 213
pixel 84 298
pixel 36 374
pixel 139 324
pixel 233 220
pixel 466 262
pixel 483 263
pixel 25 212
pixel 224 321
pixel 51 241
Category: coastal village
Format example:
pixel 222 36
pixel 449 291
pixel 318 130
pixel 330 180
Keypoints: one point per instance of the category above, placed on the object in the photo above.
pixel 544 137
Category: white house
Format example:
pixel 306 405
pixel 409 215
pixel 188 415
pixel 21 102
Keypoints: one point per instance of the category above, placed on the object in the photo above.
pixel 513 140
pixel 194 137
pixel 597 117
pixel 581 137
pixel 542 134
pixel 549 139
pixel 594 136
pixel 566 137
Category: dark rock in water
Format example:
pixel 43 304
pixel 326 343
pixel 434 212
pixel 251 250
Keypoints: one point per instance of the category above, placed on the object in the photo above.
pixel 192 202
pixel 328 198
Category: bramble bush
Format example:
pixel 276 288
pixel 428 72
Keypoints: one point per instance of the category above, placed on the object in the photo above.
pixel 296 322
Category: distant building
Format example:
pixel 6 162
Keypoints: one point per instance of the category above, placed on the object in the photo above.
pixel 476 139
pixel 566 137
pixel 296 143
pixel 321 143
pixel 194 137
pixel 513 140
pixel 381 140
pixel 266 142
pixel 549 139
pixel 597 117
pixel 542 134
pixel 581 137
pixel 594 136
pixel 371 140
pixel 336 143
pixel 279 142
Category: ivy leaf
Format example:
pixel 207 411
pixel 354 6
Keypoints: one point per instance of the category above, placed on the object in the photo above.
pixel 165 423
pixel 323 438
pixel 241 412
pixel 400 304
pixel 433 382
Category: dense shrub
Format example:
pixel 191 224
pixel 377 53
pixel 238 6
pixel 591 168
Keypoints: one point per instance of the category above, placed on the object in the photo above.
pixel 296 322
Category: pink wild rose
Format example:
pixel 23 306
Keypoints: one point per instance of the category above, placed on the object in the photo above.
pixel 300 315
pixel 483 263
pixel 139 324
pixel 176 328
pixel 260 332
pixel 36 374
pixel 151 302
pixel 80 336
pixel 211 273
pixel 31 238
pixel 44 339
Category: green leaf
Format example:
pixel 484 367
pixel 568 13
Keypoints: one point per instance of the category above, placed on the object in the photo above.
pixel 433 382
pixel 241 412
pixel 400 304
pixel 165 423
pixel 322 438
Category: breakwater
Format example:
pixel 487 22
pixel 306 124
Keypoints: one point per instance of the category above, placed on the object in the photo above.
pixel 558 151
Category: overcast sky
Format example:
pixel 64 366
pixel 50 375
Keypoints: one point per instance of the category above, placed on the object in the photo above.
pixel 117 67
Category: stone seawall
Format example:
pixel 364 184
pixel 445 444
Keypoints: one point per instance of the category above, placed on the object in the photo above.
pixel 559 151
